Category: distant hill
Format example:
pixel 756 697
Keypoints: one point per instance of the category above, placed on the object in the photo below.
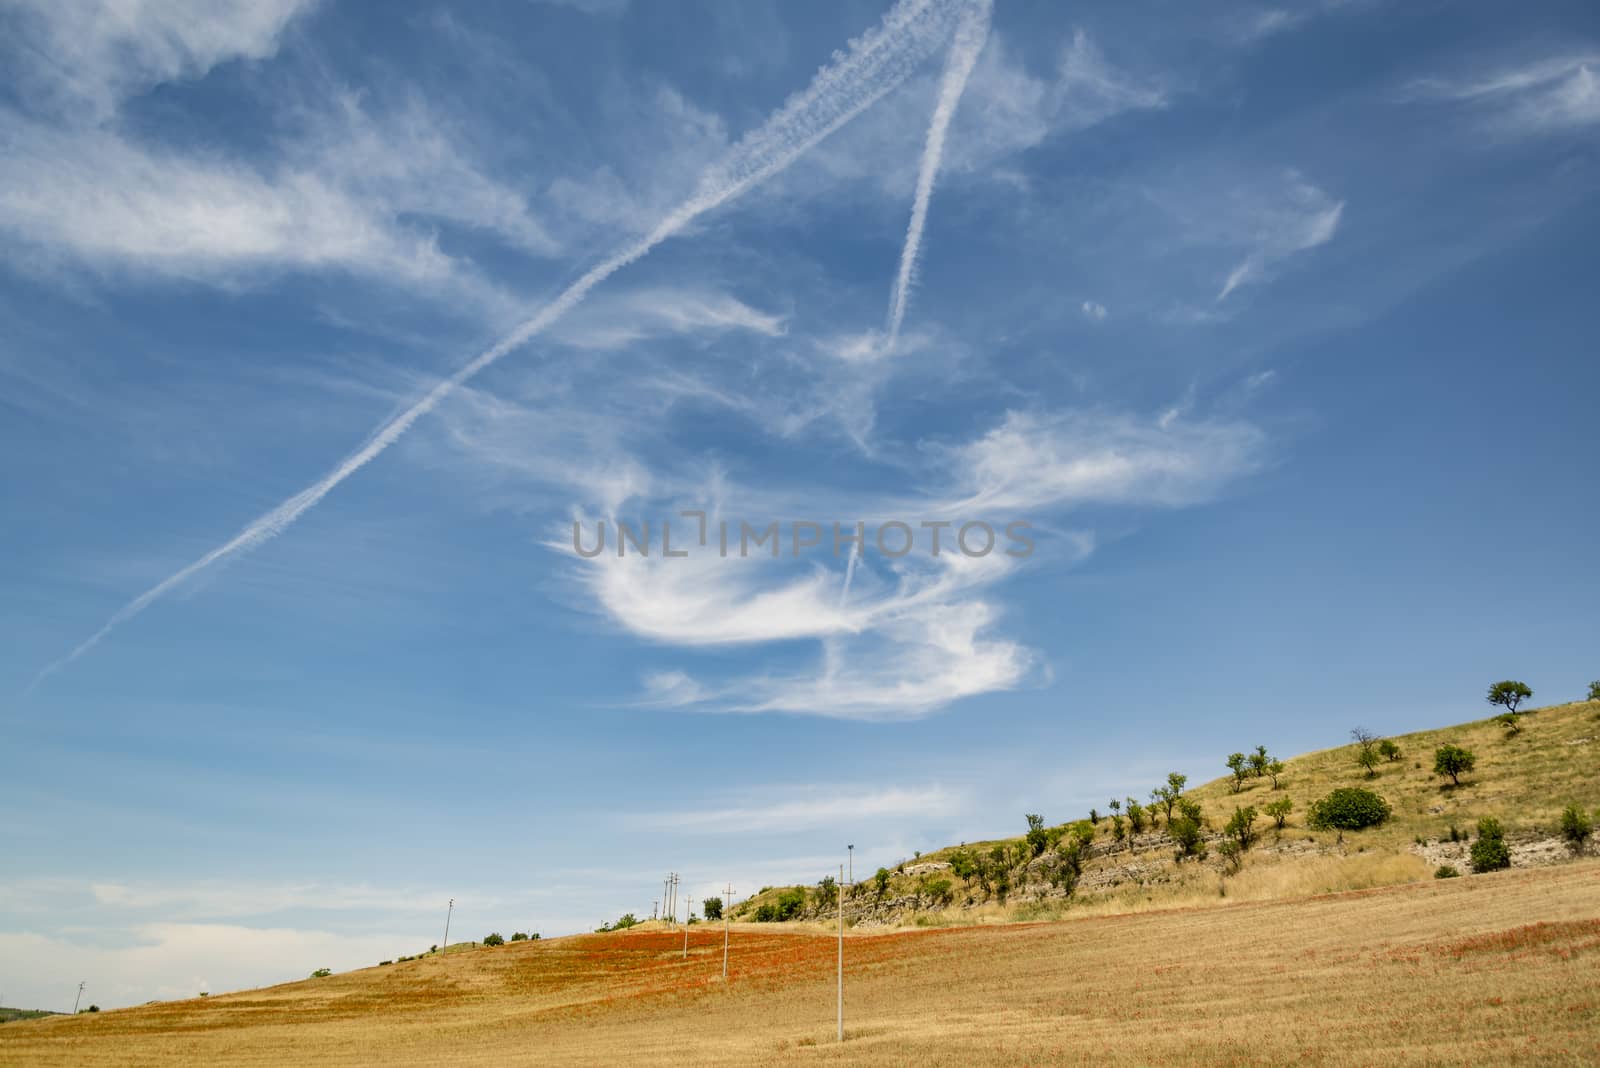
pixel 1523 778
pixel 7 1015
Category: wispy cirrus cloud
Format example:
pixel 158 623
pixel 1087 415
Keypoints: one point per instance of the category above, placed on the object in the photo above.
pixel 83 57
pixel 1551 93
pixel 806 807
pixel 1298 218
pixel 874 64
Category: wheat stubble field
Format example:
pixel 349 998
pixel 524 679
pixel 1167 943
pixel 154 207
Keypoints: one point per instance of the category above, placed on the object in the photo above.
pixel 1501 968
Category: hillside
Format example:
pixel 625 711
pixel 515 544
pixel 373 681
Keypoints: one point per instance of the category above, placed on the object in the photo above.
pixel 1499 968
pixel 1523 779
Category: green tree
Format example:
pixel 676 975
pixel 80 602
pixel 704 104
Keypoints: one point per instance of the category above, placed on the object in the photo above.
pixel 321 973
pixel 880 882
pixel 1594 690
pixel 1275 769
pixel 1036 837
pixel 1167 796
pixel 825 893
pixel 1187 829
pixel 1258 761
pixel 1576 827
pixel 1348 809
pixel 1511 721
pixel 1368 758
pixel 1119 830
pixel 1389 750
pixel 1489 852
pixel 494 939
pixel 1279 811
pixel 1508 694
pixel 963 865
pixel 1241 827
pixel 1136 816
pixel 519 936
pixel 1454 761
pixel 712 907
pixel 1239 765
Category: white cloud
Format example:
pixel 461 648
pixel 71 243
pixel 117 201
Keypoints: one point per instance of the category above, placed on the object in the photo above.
pixel 805 808
pixel 1293 218
pixel 1053 461
pixel 179 960
pixel 86 56
pixel 1555 93
pixel 110 202
pixel 616 322
pixel 1093 309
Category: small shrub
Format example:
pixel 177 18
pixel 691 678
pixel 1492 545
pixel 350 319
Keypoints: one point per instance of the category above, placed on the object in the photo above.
pixel 1445 871
pixel 1454 761
pixel 385 963
pixel 1232 855
pixel 880 882
pixel 1389 750
pixel 1241 827
pixel 1594 690
pixel 1489 852
pixel 1511 721
pixel 494 939
pixel 321 973
pixel 1455 833
pixel 1187 828
pixel 1348 809
pixel 519 936
pixel 92 1008
pixel 1576 827
pixel 1279 811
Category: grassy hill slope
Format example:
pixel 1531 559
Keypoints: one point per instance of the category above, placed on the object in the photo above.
pixel 1523 779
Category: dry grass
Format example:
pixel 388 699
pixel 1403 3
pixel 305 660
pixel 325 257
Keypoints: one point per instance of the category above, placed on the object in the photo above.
pixel 1501 968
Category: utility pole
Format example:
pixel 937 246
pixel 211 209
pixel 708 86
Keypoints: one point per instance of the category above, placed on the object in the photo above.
pixel 841 953
pixel 78 998
pixel 445 948
pixel 852 851
pixel 687 912
pixel 653 905
pixel 665 883
pixel 727 907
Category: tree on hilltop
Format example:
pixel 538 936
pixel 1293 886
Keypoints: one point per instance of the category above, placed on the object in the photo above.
pixel 1508 694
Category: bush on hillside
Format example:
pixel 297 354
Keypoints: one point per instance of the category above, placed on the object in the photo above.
pixel 1279 811
pixel 1241 827
pixel 1454 761
pixel 1035 837
pixel 1489 852
pixel 321 973
pixel 1239 765
pixel 1389 750
pixel 1187 828
pixel 1576 827
pixel 1348 809
pixel 1445 871
pixel 1594 690
pixel 494 938
pixel 1511 721
pixel 519 936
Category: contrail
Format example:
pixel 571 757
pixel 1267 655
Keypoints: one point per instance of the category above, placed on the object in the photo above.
pixel 853 81
pixel 971 33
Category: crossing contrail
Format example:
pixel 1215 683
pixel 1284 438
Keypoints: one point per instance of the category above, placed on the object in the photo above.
pixel 970 35
pixel 851 82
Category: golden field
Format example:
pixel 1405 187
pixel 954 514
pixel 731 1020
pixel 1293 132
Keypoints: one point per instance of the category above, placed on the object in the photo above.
pixel 1499 968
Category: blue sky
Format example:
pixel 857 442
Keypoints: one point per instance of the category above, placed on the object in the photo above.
pixel 321 323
